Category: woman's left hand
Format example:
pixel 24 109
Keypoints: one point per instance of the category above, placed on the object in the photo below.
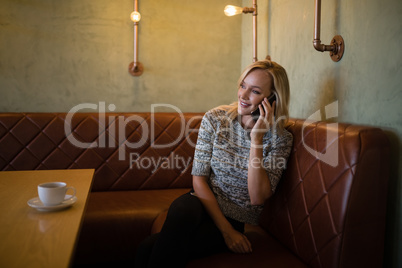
pixel 264 122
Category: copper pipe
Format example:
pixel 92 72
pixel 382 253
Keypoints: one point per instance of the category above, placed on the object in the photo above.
pixel 337 44
pixel 317 29
pixel 254 11
pixel 135 68
pixel 255 30
pixel 135 36
pixel 135 43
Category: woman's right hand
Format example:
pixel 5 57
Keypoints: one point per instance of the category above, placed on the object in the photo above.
pixel 236 241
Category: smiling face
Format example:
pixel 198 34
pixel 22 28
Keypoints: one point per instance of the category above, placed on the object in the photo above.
pixel 253 89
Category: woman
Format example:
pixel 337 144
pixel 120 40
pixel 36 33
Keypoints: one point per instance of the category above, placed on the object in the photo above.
pixel 238 162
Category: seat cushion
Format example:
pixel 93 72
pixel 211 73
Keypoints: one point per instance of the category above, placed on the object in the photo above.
pixel 124 219
pixel 267 252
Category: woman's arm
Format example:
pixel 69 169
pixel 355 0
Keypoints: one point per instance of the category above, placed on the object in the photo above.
pixel 236 241
pixel 259 185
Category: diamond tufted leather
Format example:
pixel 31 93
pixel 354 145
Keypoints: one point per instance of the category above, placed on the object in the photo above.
pixel 30 141
pixel 325 214
pixel 332 216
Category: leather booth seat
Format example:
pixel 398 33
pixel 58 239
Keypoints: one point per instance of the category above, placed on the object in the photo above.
pixel 328 210
pixel 120 219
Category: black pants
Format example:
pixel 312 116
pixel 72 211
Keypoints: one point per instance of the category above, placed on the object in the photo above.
pixel 187 233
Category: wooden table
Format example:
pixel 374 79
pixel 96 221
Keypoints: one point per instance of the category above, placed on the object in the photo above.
pixel 31 238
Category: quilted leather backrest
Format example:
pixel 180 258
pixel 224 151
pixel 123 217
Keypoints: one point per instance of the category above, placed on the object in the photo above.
pixel 329 207
pixel 128 151
pixel 332 214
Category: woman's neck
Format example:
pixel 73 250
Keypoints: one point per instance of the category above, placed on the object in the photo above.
pixel 246 121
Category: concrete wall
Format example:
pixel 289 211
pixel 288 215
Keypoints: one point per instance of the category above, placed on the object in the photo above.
pixel 58 54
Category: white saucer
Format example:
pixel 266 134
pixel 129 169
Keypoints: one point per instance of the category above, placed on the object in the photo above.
pixel 36 203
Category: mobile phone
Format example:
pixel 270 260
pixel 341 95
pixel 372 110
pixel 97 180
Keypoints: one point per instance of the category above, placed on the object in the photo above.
pixel 256 113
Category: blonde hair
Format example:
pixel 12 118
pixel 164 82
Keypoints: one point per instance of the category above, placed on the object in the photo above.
pixel 280 88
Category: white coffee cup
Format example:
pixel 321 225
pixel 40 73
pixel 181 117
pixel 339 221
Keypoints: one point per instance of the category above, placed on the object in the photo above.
pixel 54 193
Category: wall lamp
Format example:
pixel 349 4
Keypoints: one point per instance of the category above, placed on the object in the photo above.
pixel 337 46
pixel 135 68
pixel 234 10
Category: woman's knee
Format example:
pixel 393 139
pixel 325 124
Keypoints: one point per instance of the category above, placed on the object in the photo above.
pixel 186 209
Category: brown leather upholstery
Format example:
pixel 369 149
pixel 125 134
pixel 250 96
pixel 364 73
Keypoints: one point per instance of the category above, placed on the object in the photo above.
pixel 117 221
pixel 333 216
pixel 320 216
pixel 38 141
pixel 267 252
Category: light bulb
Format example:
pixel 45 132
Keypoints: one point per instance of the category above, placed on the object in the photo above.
pixel 135 16
pixel 232 10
